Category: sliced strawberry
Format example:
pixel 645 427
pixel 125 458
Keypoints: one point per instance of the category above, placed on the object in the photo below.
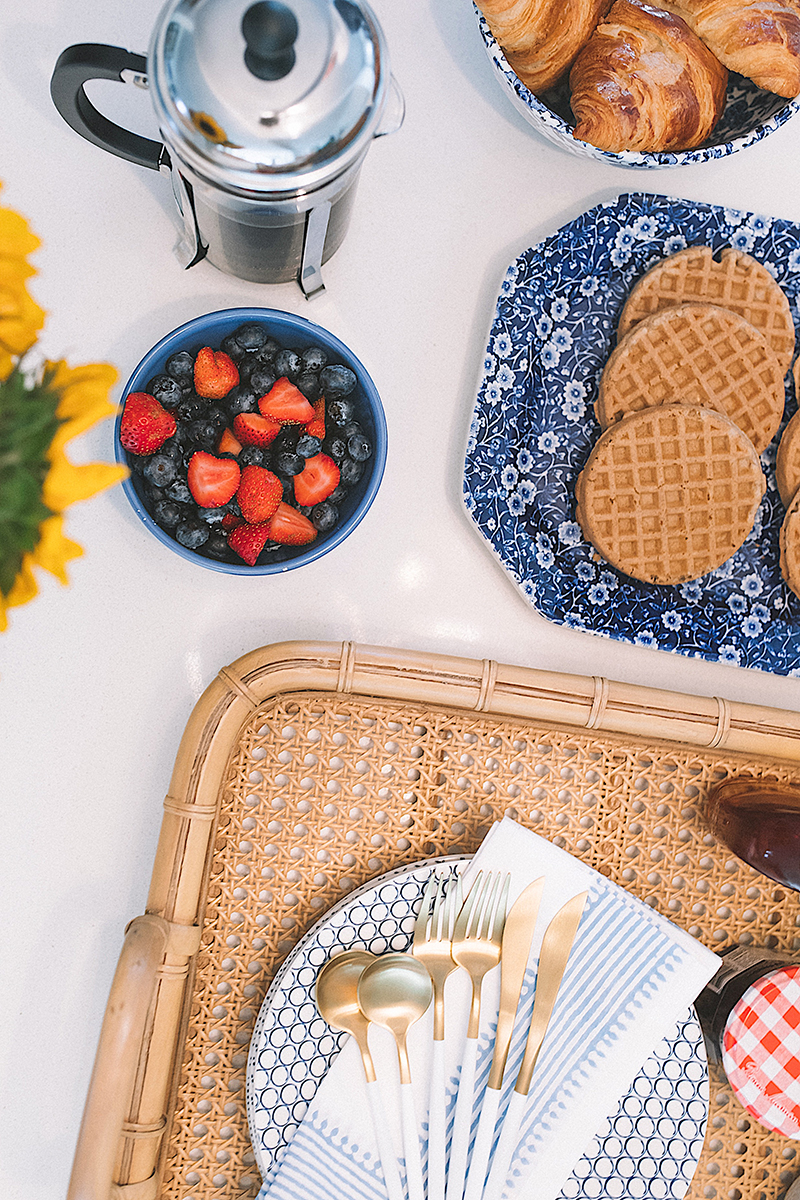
pixel 289 527
pixel 248 541
pixel 228 443
pixel 215 373
pixel 316 481
pixel 212 481
pixel 230 521
pixel 253 430
pixel 287 404
pixel 259 494
pixel 316 428
pixel 145 424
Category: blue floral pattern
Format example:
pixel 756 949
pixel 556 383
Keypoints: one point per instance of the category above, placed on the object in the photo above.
pixel 553 330
pixel 750 114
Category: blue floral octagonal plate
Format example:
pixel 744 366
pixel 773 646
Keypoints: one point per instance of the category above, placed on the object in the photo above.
pixel 533 428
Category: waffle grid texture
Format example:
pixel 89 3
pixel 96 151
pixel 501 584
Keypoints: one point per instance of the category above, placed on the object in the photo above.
pixel 735 281
pixel 787 463
pixel 669 493
pixel 696 354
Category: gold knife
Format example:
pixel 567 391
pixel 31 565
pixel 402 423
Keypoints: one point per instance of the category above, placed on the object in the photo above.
pixel 555 952
pixel 517 937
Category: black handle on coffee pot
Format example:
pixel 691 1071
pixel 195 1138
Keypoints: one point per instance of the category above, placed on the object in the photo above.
pixel 90 60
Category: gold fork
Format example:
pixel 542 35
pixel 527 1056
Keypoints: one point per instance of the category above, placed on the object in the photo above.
pixel 476 944
pixel 433 934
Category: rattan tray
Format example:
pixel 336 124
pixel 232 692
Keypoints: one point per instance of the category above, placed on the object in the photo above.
pixel 307 769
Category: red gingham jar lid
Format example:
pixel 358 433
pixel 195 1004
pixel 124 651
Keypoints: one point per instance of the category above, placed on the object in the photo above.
pixel 761 1050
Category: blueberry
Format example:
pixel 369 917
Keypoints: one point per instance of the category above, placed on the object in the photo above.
pixel 152 493
pixel 232 347
pixel 250 336
pixel 248 364
pixel 239 400
pixel 288 363
pixel 173 447
pixel 352 427
pixel 211 516
pixel 191 408
pixel 307 446
pixel 338 494
pixel 160 470
pixel 179 491
pixel 216 416
pixel 167 390
pixel 359 447
pixel 262 379
pixel 168 513
pixel 337 381
pixel 335 448
pixel 181 367
pixel 251 456
pixel 203 433
pixel 324 516
pixel 269 350
pixel 340 410
pixel 192 533
pixel 314 358
pixel 308 384
pixel 217 545
pixel 290 464
pixel 304 510
pixel 288 489
pixel 351 471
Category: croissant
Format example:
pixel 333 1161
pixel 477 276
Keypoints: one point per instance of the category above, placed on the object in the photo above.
pixel 757 38
pixel 541 38
pixel 645 82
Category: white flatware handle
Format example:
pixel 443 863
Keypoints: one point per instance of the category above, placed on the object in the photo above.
pixel 479 1161
pixel 391 1170
pixel 504 1153
pixel 414 1182
pixel 436 1125
pixel 462 1122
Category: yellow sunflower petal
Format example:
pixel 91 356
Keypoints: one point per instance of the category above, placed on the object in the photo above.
pixel 15 234
pixel 20 316
pixel 54 551
pixel 24 587
pixel 66 483
pixel 83 397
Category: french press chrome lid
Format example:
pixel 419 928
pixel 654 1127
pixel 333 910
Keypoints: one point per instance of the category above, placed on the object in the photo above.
pixel 268 97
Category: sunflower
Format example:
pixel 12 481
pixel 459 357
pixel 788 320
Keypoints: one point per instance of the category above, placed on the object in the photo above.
pixel 40 411
pixel 20 317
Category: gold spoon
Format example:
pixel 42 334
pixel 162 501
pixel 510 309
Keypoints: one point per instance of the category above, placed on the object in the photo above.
pixel 337 1001
pixel 395 991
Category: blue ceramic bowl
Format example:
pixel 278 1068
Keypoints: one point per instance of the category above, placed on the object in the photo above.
pixel 750 115
pixel 294 333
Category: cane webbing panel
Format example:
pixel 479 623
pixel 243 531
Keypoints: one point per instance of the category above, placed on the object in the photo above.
pixel 326 792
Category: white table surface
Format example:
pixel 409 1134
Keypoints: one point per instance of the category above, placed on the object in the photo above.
pixel 98 679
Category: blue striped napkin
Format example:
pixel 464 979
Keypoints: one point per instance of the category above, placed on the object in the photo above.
pixel 630 977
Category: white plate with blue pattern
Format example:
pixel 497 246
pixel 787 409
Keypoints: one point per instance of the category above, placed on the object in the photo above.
pixel 533 428
pixel 647 1150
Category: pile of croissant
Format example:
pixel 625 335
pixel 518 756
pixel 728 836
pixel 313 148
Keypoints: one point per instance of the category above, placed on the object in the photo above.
pixel 645 76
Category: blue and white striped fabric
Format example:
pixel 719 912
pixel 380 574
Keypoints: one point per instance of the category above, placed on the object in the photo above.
pixel 630 977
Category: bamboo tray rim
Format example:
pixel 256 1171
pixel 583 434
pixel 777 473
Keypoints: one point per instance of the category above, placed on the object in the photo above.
pixel 171 928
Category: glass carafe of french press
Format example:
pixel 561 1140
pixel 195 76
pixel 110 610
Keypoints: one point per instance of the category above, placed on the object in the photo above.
pixel 267 110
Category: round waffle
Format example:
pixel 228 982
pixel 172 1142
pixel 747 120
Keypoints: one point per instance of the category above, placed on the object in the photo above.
pixel 790 545
pixel 735 281
pixel 787 464
pixel 669 493
pixel 696 354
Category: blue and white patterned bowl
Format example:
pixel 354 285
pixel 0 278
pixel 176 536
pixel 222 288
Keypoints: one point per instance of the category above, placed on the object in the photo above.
pixel 750 114
pixel 533 428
